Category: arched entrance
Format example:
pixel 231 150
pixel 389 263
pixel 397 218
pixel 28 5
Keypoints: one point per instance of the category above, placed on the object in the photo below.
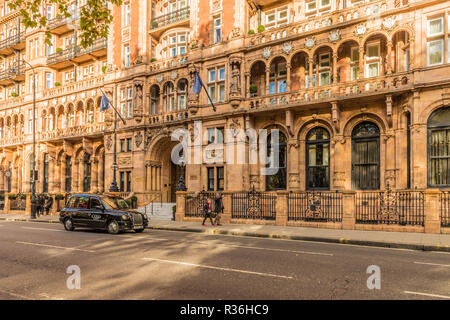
pixel 439 148
pixel 87 172
pixel 366 156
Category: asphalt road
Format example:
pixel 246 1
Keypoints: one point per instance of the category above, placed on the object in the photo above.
pixel 34 258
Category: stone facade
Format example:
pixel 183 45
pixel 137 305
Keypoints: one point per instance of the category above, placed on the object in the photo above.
pixel 370 74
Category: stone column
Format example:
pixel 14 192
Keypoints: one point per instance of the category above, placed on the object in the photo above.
pixel 432 210
pixel 310 72
pixel 100 173
pixel 288 75
pixel 94 175
pixel 412 55
pixel 281 208
pixel 335 56
pixel 74 172
pixel 389 57
pixel 62 177
pixel 247 84
pixel 181 206
pixel 14 179
pixel 227 207
pixel 361 62
pixel 267 90
pixel 349 207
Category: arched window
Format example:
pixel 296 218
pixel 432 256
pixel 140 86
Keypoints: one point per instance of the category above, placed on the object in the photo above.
pixel 90 113
pixel 439 148
pixel 87 172
pixel 278 76
pixel 366 156
pixel 154 99
pixel 276 153
pixel 182 94
pixel 169 99
pixel 318 159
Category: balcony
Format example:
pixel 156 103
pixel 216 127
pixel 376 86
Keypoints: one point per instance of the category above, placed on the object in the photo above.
pixel 87 84
pixel 73 132
pixel 13 74
pixel 76 54
pixel 59 25
pixel 179 18
pixel 96 51
pixel 15 42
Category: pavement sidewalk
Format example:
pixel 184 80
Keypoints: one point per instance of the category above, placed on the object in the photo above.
pixel 406 240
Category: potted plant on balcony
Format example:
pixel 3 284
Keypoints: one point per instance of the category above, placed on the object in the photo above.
pixel 14 94
pixel 253 90
pixel 12 196
pixel 261 28
pixel 57 84
pixel 154 24
pixel 251 31
pixel 152 59
pixel 58 50
pixel 104 69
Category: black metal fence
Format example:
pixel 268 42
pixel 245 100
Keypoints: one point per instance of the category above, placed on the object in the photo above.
pixel 17 204
pixel 390 207
pixel 445 208
pixel 196 202
pixel 253 205
pixel 315 206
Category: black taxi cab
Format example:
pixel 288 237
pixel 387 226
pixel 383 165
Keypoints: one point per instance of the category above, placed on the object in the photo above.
pixel 106 212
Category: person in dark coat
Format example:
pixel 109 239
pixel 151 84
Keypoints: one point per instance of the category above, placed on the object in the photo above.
pixel 41 204
pixel 218 207
pixel 48 204
pixel 38 205
pixel 207 212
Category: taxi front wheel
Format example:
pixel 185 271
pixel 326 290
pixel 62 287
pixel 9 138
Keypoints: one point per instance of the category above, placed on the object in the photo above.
pixel 113 227
pixel 68 224
pixel 138 230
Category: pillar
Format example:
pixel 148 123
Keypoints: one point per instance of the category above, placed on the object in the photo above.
pixel 181 205
pixel 267 90
pixel 100 173
pixel 335 56
pixel 361 62
pixel 281 208
pixel 227 207
pixel 349 206
pixel 288 75
pixel 247 85
pixel 432 211
pixel 389 57
pixel 412 55
pixel 94 175
pixel 310 73
pixel 74 173
pixel 62 177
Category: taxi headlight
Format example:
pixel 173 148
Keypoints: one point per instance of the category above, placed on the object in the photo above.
pixel 125 217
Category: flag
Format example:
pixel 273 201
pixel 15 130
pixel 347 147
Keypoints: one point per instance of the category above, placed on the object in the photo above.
pixel 104 103
pixel 198 83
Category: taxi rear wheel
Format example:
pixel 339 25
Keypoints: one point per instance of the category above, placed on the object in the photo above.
pixel 113 227
pixel 68 224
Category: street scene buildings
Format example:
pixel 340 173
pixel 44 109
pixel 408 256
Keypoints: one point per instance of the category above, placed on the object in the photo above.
pixel 358 89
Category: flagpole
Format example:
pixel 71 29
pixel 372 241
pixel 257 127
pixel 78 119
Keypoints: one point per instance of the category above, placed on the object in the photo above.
pixel 207 93
pixel 114 108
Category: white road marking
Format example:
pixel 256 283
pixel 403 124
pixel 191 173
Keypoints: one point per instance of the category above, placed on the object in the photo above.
pixel 427 294
pixel 44 229
pixel 219 268
pixel 50 246
pixel 16 295
pixel 433 264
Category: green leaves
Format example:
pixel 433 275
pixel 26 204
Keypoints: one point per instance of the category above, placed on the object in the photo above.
pixel 93 19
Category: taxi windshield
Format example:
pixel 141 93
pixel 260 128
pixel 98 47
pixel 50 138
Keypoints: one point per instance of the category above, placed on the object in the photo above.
pixel 115 203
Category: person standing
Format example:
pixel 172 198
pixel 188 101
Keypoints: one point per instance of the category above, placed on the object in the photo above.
pixel 48 204
pixel 38 205
pixel 218 207
pixel 207 212
pixel 41 204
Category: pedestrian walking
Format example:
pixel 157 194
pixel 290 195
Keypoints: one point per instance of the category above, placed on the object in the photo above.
pixel 218 207
pixel 38 205
pixel 41 204
pixel 207 212
pixel 48 204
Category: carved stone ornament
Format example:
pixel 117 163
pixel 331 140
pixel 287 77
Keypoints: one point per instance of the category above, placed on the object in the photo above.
pixel 334 35
pixel 108 142
pixel 138 139
pixel 310 42
pixel 360 30
pixel 159 78
pixel 287 47
pixel 388 23
pixel 267 52
pixel 174 75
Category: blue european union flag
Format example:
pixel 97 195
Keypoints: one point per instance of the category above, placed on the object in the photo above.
pixel 104 103
pixel 198 84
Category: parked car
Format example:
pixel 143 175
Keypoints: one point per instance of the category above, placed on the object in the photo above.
pixel 106 212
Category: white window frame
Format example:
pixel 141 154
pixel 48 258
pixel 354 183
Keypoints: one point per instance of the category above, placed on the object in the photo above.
pixel 428 49
pixel 217 27
pixel 126 54
pixel 441 18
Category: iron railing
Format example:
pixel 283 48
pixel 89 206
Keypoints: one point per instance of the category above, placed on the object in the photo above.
pixel 18 204
pixel 445 208
pixel 390 207
pixel 170 18
pixel 323 206
pixel 75 51
pixel 12 40
pixel 253 205
pixel 194 204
